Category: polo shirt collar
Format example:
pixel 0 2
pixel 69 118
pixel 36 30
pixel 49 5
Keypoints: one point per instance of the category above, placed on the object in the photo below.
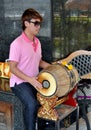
pixel 26 38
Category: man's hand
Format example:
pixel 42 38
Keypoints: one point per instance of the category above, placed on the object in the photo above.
pixel 37 85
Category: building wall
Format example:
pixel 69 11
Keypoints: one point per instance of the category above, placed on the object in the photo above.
pixel 10 24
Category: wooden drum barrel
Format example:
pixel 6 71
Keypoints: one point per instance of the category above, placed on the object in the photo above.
pixel 57 80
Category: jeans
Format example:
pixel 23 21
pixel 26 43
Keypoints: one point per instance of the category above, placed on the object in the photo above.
pixel 27 95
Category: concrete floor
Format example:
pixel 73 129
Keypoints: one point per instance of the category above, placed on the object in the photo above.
pixel 82 124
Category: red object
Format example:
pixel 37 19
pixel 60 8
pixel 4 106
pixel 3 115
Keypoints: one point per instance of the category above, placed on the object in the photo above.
pixel 71 100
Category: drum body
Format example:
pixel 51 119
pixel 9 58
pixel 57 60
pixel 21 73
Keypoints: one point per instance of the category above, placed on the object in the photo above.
pixel 57 80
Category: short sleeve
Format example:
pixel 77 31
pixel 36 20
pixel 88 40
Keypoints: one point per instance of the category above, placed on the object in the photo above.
pixel 14 54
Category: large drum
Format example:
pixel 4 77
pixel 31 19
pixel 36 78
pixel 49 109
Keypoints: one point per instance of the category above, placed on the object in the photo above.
pixel 57 80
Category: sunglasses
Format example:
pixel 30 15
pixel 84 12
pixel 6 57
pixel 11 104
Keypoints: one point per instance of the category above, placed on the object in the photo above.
pixel 36 23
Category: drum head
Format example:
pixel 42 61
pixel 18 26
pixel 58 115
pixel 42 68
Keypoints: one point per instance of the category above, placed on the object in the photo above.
pixel 49 84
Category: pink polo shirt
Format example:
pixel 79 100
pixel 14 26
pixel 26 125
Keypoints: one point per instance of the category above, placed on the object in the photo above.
pixel 28 56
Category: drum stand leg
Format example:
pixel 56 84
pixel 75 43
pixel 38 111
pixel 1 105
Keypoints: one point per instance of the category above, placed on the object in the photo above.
pixel 48 104
pixel 47 109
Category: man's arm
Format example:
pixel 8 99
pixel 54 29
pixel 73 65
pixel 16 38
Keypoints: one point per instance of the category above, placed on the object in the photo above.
pixel 43 64
pixel 17 72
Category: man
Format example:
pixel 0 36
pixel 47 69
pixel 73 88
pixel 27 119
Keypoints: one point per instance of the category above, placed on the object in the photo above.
pixel 25 59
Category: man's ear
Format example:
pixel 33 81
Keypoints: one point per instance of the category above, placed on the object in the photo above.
pixel 26 23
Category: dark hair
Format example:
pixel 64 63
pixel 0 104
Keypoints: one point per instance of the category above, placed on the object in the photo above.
pixel 30 14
